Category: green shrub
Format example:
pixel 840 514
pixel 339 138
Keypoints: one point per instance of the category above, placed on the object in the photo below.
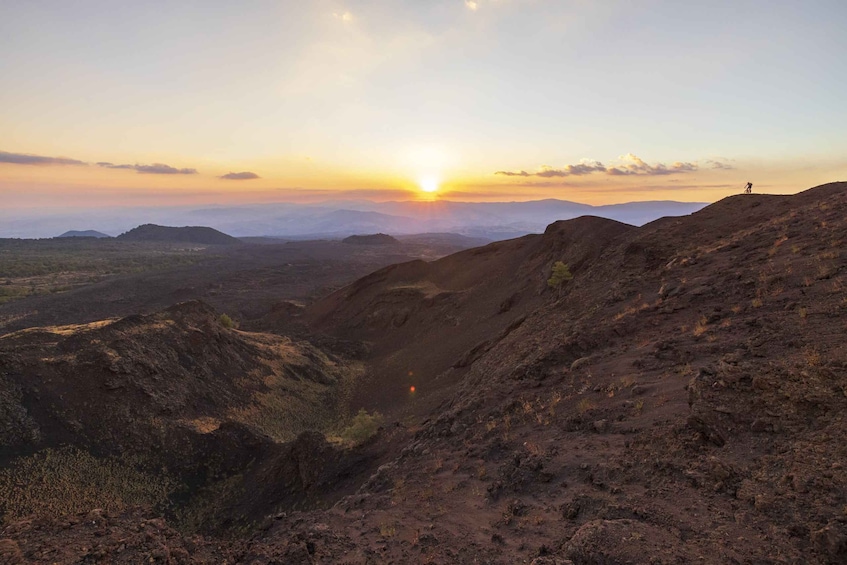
pixel 226 321
pixel 561 274
pixel 363 427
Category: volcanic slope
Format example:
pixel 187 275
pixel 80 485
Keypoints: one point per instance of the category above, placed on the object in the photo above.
pixel 681 400
pixel 171 410
pixel 426 322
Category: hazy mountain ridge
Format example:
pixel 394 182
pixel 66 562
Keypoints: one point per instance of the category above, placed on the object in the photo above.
pixel 84 233
pixel 491 220
pixel 187 234
pixel 372 239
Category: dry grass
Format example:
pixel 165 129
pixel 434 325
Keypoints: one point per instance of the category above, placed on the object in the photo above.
pixel 812 356
pixel 202 425
pixel 285 404
pixel 555 399
pixel 627 381
pixel 634 309
pixel 532 448
pixel 585 405
pixel 387 530
pixel 701 326
pixel 68 481
pixel 685 371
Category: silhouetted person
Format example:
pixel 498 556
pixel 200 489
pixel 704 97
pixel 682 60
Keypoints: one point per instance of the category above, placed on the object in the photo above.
pixel 749 188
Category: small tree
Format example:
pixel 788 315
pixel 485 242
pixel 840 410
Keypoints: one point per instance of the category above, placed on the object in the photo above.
pixel 226 321
pixel 561 274
pixel 363 427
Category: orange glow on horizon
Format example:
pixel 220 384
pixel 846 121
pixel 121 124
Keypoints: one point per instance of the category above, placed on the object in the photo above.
pixel 90 186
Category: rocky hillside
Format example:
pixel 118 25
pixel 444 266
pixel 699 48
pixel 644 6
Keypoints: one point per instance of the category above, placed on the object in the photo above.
pixel 685 389
pixel 189 234
pixel 155 409
pixel 680 400
pixel 426 323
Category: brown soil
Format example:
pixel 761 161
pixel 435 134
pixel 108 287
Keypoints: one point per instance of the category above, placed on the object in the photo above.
pixel 681 400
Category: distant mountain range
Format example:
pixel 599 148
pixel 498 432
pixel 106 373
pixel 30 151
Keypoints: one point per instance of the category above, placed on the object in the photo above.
pixel 84 233
pixel 372 239
pixel 488 220
pixel 192 234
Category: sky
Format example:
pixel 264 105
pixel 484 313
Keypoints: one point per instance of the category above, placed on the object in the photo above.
pixel 161 103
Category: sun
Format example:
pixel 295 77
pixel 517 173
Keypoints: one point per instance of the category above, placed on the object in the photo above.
pixel 429 184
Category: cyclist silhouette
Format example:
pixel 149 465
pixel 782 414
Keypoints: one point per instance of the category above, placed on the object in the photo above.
pixel 749 188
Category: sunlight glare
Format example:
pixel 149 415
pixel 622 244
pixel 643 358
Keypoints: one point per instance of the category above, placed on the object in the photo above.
pixel 429 184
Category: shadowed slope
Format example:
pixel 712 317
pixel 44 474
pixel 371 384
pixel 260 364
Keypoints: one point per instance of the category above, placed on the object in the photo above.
pixel 422 319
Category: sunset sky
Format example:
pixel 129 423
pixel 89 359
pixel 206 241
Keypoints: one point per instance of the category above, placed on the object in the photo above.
pixel 597 101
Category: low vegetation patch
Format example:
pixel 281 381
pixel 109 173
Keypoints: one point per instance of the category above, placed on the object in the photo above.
pixel 49 266
pixel 362 428
pixel 561 274
pixel 67 481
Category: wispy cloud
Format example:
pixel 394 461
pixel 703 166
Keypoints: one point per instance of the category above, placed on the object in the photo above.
pixel 26 159
pixel 633 165
pixel 583 168
pixel 154 169
pixel 629 165
pixel 719 165
pixel 162 169
pixel 244 175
